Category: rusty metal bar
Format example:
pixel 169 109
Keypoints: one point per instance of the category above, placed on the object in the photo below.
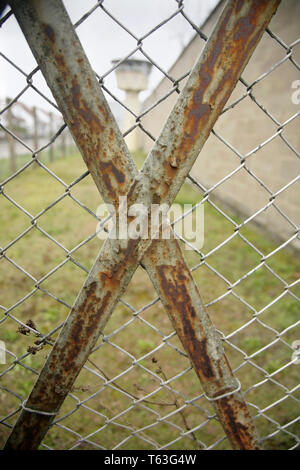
pixel 92 307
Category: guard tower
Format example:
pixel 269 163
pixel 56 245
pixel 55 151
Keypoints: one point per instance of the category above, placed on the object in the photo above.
pixel 132 77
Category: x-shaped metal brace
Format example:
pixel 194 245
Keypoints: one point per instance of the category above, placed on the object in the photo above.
pixel 61 58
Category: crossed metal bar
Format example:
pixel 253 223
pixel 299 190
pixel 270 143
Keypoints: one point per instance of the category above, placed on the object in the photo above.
pixel 61 58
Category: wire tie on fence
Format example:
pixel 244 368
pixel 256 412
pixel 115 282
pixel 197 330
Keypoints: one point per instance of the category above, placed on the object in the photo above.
pixel 225 394
pixel 31 410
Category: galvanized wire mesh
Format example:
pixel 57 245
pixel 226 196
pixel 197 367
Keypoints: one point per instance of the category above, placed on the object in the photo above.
pixel 138 389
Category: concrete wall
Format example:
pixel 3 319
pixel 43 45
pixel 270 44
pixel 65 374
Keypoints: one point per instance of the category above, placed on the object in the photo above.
pixel 245 126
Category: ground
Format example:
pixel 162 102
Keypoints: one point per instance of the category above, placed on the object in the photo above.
pixel 255 350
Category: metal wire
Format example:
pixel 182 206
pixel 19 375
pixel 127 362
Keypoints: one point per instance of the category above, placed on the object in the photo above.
pixel 170 414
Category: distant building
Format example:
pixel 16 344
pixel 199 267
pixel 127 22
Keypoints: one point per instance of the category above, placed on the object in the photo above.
pixel 132 77
pixel 246 126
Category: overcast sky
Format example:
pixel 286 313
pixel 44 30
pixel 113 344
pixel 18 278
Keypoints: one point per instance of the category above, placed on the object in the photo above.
pixel 104 40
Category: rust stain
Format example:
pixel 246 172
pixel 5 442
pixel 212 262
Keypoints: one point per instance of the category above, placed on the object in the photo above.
pixel 111 135
pixel 60 60
pixel 244 29
pixel 84 110
pixel 239 5
pixel 132 190
pixel 49 31
pixel 87 315
pixel 241 434
pixel 109 167
pixel 31 433
pixel 104 112
pixel 198 113
pixel 110 175
pixel 109 280
pixel 129 254
pixel 174 284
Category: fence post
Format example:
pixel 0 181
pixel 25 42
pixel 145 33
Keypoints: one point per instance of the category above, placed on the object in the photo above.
pixel 51 153
pixel 35 128
pixel 11 140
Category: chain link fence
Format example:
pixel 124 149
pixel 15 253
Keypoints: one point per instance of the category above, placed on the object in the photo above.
pixel 138 388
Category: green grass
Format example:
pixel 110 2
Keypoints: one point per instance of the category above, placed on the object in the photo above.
pixel 23 159
pixel 69 224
